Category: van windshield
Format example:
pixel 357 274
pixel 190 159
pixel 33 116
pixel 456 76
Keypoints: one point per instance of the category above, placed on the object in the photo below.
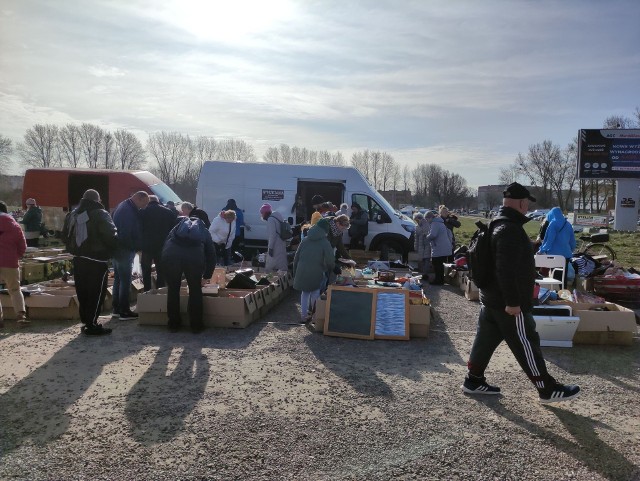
pixel 164 193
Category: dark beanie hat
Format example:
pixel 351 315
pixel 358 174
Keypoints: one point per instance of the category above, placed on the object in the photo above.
pixel 317 199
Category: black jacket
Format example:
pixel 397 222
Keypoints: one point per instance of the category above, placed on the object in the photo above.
pixel 157 221
pixel 102 239
pixel 515 271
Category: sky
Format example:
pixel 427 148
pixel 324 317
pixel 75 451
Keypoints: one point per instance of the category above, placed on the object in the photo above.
pixel 463 84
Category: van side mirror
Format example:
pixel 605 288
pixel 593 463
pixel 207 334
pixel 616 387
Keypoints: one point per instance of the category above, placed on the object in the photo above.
pixel 379 218
pixel 290 221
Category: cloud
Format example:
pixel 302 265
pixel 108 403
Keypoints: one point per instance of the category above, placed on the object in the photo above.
pixel 102 70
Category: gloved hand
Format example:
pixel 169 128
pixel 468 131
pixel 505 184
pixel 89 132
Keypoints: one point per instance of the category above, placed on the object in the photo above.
pixel 337 270
pixel 270 252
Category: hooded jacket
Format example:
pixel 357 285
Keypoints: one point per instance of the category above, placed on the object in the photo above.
pixel 96 229
pixel 12 242
pixel 559 238
pixel 313 258
pixel 196 251
pixel 441 239
pixel 515 270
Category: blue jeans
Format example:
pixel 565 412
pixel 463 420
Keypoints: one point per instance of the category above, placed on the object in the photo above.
pixel 307 301
pixel 122 268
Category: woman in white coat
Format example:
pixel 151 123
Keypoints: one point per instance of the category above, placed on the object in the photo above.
pixel 276 259
pixel 223 231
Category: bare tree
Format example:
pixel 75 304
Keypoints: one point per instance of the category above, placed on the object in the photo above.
pixel 129 152
pixel 92 137
pixel 387 170
pixel 173 152
pixel 508 175
pixel 618 122
pixel 406 177
pixel 236 149
pixel 70 146
pixel 272 155
pixel 539 167
pixel 6 149
pixel 362 162
pixel 108 155
pixel 636 115
pixel 564 178
pixel 39 148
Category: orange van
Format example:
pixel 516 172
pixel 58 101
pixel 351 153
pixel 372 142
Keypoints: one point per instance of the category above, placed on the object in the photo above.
pixel 58 190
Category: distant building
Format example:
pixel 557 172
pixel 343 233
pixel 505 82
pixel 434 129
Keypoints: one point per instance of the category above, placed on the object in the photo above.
pixel 490 196
pixel 397 198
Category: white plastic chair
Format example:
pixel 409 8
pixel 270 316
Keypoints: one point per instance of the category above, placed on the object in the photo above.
pixel 553 263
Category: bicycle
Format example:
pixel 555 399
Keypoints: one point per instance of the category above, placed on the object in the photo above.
pixel 595 246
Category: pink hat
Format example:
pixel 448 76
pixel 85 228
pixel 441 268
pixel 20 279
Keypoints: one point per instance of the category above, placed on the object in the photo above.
pixel 265 208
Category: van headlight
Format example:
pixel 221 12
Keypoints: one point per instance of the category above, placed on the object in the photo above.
pixel 409 227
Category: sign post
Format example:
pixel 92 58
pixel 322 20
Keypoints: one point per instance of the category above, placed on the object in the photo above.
pixel 613 154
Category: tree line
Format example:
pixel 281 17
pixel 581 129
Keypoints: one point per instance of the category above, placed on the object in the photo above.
pixel 177 159
pixel 552 169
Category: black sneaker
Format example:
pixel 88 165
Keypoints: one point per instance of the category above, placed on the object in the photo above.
pixel 560 393
pixel 128 316
pixel 96 330
pixel 478 386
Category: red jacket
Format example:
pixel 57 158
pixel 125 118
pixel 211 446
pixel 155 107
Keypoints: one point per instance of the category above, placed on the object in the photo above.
pixel 12 242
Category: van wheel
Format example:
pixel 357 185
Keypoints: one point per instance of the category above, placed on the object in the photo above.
pixel 391 249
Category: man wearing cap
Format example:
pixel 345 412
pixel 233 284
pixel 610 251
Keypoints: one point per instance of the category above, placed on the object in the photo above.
pixel 90 235
pixel 507 302
pixel 32 221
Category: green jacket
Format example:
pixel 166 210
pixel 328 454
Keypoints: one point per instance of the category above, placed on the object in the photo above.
pixel 32 219
pixel 313 258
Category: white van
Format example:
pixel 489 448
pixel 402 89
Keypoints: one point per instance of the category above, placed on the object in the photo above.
pixel 253 184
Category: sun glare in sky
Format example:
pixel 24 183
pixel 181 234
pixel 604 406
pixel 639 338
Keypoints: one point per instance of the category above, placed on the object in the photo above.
pixel 227 20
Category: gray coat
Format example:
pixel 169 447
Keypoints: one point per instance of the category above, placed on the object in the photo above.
pixel 441 239
pixel 420 243
pixel 313 258
pixel 277 262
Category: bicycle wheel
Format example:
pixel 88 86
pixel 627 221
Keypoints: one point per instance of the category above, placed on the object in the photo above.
pixel 601 252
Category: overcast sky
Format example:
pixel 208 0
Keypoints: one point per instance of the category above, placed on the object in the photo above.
pixel 464 84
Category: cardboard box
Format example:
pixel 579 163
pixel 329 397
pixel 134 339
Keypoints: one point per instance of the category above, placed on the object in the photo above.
pixel 319 315
pixel 616 326
pixel 152 307
pixel 54 304
pixel 419 320
pixel 471 291
pixel 556 331
pixel 32 272
pixel 232 308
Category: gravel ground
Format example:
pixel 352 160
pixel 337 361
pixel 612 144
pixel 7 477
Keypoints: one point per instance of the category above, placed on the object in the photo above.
pixel 278 402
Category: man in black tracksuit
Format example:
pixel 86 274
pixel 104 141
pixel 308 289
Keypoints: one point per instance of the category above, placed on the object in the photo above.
pixel 506 311
pixel 157 221
pixel 94 243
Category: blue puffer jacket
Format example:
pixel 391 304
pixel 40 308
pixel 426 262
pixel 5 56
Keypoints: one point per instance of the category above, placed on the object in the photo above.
pixel 559 239
pixel 441 239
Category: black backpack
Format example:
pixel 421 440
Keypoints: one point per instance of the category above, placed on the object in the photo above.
pixel 69 232
pixel 286 232
pixel 480 256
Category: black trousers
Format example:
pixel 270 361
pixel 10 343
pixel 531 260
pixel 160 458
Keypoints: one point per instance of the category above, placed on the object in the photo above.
pixel 192 270
pixel 90 277
pixel 438 269
pixel 519 332
pixel 149 257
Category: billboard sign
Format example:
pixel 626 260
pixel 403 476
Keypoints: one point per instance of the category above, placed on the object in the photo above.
pixel 588 220
pixel 609 154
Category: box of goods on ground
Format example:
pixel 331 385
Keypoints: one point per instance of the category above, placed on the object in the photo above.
pixel 44 303
pixel 222 306
pixel 605 323
pixel 45 264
